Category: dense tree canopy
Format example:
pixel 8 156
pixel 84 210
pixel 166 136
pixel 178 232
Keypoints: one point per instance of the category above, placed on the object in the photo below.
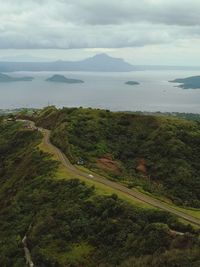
pixel 161 154
pixel 68 224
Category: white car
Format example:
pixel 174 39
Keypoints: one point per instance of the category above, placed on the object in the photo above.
pixel 90 176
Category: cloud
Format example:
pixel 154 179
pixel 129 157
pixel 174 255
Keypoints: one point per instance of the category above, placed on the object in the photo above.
pixel 170 12
pixel 61 24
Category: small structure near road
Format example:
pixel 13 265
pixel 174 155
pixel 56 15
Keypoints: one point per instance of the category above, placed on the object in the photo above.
pixel 80 162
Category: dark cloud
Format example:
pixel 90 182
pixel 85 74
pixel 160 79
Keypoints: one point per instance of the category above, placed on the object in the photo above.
pixel 170 12
pixel 96 23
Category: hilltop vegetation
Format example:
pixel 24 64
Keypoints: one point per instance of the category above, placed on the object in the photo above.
pixel 159 154
pixel 68 224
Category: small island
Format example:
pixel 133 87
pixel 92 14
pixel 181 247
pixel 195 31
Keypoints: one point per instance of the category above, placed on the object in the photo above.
pixel 188 83
pixel 7 78
pixel 132 83
pixel 62 79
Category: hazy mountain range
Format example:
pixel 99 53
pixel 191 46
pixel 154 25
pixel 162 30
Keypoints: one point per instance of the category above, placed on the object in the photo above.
pixel 99 62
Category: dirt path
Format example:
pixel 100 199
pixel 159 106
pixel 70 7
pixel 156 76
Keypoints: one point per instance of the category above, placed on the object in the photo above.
pixel 27 252
pixel 117 186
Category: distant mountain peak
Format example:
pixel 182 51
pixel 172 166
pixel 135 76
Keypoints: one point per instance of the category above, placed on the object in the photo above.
pixel 100 62
pixel 102 55
pixel 104 62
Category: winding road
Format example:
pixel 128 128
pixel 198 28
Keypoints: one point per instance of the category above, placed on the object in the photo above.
pixel 117 186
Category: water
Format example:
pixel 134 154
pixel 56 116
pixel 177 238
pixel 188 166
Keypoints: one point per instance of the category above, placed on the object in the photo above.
pixel 104 90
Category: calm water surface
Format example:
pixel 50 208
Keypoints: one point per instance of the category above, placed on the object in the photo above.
pixel 104 90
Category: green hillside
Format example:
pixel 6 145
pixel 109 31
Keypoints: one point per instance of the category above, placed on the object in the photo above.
pixel 159 154
pixel 67 223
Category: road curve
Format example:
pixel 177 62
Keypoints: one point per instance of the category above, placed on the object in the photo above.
pixel 117 186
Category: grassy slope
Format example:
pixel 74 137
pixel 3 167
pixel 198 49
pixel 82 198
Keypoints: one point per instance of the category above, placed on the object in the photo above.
pixel 168 148
pixel 101 189
pixel 66 222
pixel 63 172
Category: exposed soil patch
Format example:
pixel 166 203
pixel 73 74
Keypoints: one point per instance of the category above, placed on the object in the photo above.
pixel 141 167
pixel 108 164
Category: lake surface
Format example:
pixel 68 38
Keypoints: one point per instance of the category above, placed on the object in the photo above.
pixel 104 90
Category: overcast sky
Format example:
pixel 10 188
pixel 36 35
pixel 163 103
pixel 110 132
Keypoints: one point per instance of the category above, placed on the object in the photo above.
pixel 141 31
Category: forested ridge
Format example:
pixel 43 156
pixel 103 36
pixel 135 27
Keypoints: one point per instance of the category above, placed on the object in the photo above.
pixel 158 154
pixel 68 224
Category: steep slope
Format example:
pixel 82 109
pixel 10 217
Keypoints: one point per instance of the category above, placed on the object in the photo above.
pixel 160 154
pixel 65 221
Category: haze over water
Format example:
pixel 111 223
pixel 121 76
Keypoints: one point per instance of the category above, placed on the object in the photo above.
pixel 104 90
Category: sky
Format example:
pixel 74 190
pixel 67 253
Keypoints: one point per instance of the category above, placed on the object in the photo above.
pixel 156 32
